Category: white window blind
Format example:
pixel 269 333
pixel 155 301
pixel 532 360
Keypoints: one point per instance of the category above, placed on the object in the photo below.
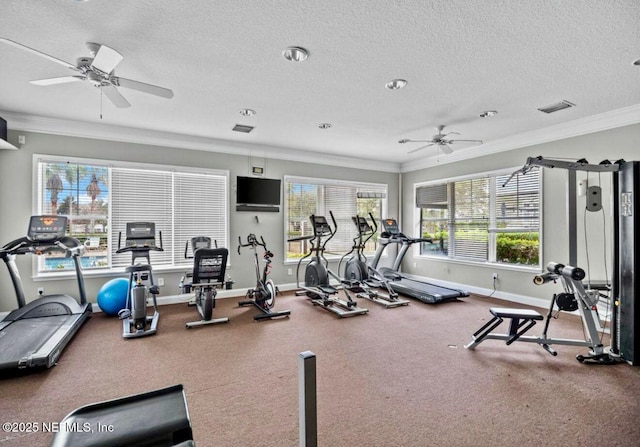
pixel 139 195
pixel 517 204
pixel 307 196
pixel 200 210
pixel 471 219
pixel 102 198
pixel 482 219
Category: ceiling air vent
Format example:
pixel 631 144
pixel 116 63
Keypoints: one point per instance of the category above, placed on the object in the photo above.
pixel 557 106
pixel 242 128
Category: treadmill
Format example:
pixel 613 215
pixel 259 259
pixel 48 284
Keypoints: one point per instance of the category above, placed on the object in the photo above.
pixel 34 335
pixel 409 285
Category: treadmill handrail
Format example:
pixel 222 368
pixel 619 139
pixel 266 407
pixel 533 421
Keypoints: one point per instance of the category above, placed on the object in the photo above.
pixel 72 247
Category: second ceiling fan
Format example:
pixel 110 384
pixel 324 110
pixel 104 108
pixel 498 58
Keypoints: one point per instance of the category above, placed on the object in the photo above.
pixel 439 140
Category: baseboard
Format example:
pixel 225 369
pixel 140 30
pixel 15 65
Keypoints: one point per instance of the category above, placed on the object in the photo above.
pixel 240 293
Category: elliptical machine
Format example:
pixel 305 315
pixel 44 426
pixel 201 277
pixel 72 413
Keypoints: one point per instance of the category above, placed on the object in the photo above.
pixel 317 275
pixel 209 266
pixel 140 239
pixel 263 296
pixel 361 278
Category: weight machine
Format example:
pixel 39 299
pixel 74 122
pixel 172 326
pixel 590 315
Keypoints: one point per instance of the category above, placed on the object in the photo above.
pixel 625 285
pixel 574 297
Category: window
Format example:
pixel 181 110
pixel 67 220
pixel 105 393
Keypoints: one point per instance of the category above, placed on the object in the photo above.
pixel 99 198
pixel 482 219
pixel 307 196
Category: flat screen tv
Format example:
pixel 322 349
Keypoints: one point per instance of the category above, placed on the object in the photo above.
pixel 257 194
pixel 4 144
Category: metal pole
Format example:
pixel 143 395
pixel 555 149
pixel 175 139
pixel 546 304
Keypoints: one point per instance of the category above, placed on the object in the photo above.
pixel 307 408
pixel 572 218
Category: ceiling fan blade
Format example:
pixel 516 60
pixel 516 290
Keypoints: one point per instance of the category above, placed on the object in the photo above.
pixel 106 59
pixel 465 141
pixel 38 53
pixel 115 96
pixel 445 148
pixel 420 148
pixel 61 80
pixel 142 87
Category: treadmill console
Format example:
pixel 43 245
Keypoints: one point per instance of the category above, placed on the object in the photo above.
pixel 391 226
pixel 320 225
pixel 47 228
pixel 141 234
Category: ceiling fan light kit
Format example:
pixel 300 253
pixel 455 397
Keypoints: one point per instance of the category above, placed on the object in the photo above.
pixel 440 141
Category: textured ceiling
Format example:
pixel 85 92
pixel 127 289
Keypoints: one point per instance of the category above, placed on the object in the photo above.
pixel 459 58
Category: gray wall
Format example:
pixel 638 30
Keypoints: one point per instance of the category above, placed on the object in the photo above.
pixel 612 144
pixel 17 191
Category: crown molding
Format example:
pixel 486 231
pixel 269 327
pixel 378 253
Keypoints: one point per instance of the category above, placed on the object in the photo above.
pixel 55 126
pixel 595 123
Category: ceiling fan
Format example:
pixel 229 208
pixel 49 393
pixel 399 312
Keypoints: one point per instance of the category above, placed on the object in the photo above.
pixel 440 140
pixel 98 69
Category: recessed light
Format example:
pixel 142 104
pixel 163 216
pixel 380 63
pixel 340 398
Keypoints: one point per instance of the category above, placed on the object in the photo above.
pixel 324 125
pixel 295 54
pixel 396 84
pixel 488 114
pixel 247 112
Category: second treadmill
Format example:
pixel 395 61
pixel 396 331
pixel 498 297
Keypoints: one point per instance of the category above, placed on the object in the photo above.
pixel 409 285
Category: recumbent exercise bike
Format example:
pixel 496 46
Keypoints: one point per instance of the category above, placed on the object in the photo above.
pixel 209 267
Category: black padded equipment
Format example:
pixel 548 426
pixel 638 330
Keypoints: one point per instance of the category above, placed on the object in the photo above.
pixel 156 418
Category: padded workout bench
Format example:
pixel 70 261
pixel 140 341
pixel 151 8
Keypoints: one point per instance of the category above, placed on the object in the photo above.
pixel 521 321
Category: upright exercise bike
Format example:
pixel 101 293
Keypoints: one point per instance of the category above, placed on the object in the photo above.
pixel 361 278
pixel 140 240
pixel 317 275
pixel 263 296
pixel 209 267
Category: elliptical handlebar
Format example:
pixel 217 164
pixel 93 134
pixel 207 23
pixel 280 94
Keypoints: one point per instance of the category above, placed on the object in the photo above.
pixel 301 238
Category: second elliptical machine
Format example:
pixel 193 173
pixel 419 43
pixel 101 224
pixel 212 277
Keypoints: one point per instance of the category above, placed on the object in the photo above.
pixel 317 275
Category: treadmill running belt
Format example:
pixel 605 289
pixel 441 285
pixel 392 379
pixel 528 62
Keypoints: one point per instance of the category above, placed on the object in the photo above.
pixel 425 292
pixel 24 337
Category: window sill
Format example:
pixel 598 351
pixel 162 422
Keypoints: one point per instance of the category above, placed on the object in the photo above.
pixel 493 265
pixel 106 273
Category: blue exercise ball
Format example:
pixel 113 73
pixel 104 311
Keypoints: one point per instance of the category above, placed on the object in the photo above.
pixel 112 296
